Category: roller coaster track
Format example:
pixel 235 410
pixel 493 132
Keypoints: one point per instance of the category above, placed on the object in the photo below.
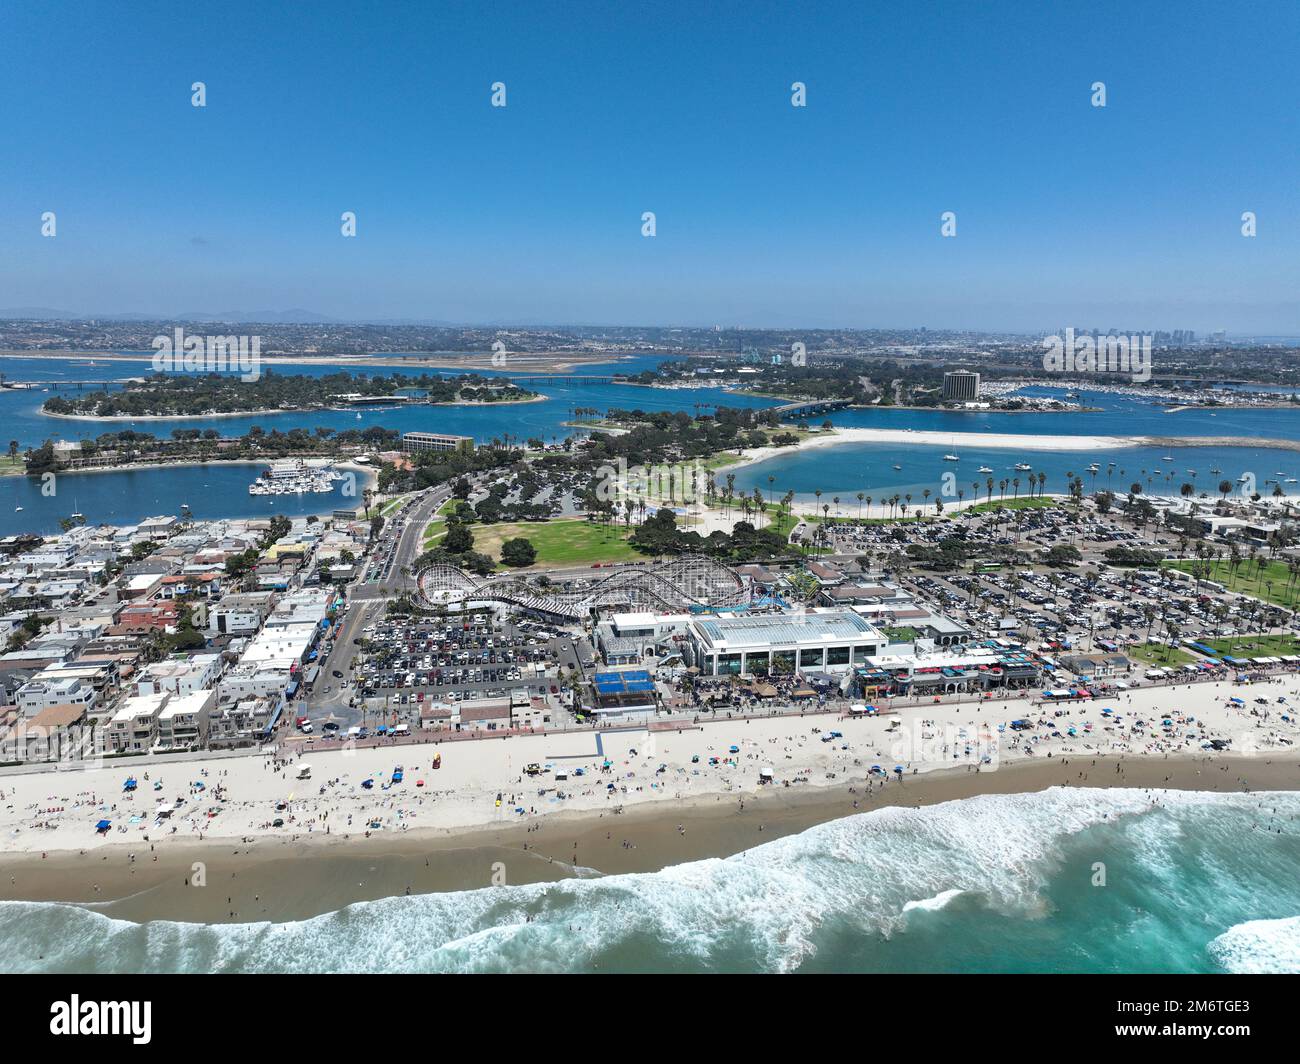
pixel 679 584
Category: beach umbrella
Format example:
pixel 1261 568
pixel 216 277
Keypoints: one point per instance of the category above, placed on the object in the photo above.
pixel 898 769
pixel 103 825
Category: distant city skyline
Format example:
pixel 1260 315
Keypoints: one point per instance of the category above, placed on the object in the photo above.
pixel 766 215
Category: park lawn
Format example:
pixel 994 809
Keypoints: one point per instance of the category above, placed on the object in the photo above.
pixel 564 541
pixel 1030 502
pixel 12 467
pixel 391 505
pixel 1153 654
pixel 1255 646
pixel 1250 579
pixel 437 528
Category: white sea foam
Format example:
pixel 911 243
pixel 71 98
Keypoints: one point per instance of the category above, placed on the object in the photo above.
pixel 939 901
pixel 1260 947
pixel 762 909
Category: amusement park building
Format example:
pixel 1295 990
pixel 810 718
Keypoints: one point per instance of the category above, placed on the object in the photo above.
pixel 825 640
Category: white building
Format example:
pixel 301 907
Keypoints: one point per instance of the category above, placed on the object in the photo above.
pixel 183 722
pixel 240 614
pixel 36 695
pixel 134 727
pixel 827 640
pixel 180 676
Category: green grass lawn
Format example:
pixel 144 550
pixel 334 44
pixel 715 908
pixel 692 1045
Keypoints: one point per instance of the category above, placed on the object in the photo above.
pixel 391 505
pixel 566 541
pixel 11 467
pixel 1031 502
pixel 1272 582
pixel 1255 646
pixel 1151 654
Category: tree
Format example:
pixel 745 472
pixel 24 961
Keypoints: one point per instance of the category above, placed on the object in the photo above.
pixel 459 539
pixel 518 553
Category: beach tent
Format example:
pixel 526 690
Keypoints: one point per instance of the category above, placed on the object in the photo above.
pixel 130 784
pixel 103 826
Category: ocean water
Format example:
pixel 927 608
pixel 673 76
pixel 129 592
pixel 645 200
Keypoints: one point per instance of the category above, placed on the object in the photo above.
pixel 1193 882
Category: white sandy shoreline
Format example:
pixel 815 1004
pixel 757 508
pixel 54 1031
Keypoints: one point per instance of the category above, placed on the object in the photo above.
pixel 49 811
pixel 1006 441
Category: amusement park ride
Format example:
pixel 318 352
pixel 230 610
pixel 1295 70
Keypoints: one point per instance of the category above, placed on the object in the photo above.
pixel 681 584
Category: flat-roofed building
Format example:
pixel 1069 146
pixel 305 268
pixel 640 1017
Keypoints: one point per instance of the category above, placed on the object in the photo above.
pixel 37 695
pixel 243 722
pixel 829 640
pixel 240 614
pixel 948 671
pixel 180 676
pixel 415 442
pixel 183 722
pixel 134 727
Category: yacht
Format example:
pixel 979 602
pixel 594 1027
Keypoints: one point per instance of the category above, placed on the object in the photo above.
pixel 898 467
pixel 951 458
pixel 1216 470
pixel 1094 468
pixel 1023 467
pixel 18 509
pixel 986 469
pixel 294 478
pixel 1167 458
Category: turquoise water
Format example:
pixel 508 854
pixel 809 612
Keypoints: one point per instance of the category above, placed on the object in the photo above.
pixel 841 470
pixel 846 469
pixel 999 883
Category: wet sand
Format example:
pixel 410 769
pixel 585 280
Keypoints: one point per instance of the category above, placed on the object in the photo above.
pixel 291 879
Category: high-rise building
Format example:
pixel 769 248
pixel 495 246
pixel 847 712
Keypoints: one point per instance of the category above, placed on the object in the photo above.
pixel 961 386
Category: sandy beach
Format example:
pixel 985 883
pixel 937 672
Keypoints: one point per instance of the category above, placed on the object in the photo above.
pixel 294 878
pixel 839 437
pixel 482 784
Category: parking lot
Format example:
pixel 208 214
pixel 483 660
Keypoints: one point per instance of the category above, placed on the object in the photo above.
pixel 412 661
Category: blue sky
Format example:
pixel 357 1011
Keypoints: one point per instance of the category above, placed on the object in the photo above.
pixel 768 215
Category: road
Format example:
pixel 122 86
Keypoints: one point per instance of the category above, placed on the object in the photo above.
pixel 365 599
